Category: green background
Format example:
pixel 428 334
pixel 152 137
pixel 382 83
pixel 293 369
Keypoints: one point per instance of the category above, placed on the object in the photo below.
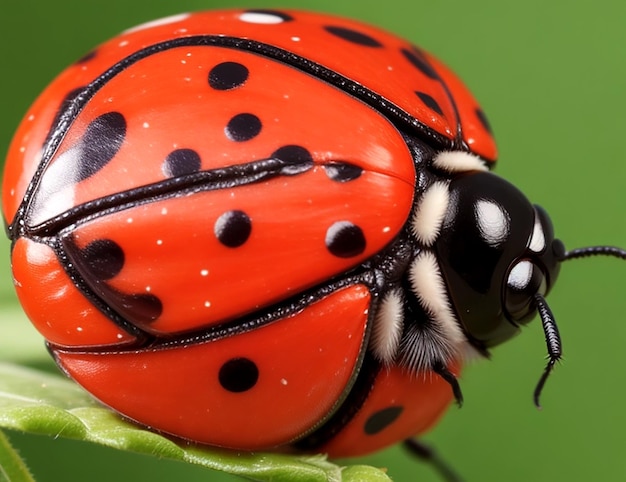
pixel 552 78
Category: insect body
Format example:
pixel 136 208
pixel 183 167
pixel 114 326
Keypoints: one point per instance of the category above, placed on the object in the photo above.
pixel 256 229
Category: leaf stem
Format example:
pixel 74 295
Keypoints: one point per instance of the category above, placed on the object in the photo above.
pixel 12 466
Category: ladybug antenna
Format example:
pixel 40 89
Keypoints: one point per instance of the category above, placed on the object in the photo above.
pixel 595 251
pixel 553 343
pixel 550 330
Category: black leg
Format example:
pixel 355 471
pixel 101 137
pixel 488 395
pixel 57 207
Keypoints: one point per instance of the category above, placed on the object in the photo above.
pixel 441 370
pixel 430 456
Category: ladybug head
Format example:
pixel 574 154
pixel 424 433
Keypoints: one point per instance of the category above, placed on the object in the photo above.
pixel 496 251
pixel 499 258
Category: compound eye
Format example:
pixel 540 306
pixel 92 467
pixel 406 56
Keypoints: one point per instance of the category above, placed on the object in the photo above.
pixel 524 281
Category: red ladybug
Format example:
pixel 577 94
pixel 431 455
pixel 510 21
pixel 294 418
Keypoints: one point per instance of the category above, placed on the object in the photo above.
pixel 258 229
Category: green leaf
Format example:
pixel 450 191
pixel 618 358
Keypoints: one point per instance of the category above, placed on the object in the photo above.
pixel 42 403
pixel 12 467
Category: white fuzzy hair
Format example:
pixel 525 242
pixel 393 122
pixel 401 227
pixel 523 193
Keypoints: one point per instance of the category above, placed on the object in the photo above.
pixel 432 208
pixel 388 326
pixel 458 161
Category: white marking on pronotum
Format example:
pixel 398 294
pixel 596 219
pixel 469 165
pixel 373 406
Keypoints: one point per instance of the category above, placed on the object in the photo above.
pixel 521 275
pixel 158 22
pixel 493 222
pixel 427 284
pixel 538 239
pixel 458 161
pixel 432 208
pixel 388 325
pixel 260 17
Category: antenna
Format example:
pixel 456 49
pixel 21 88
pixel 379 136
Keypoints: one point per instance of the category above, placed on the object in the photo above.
pixel 595 251
pixel 553 342
pixel 550 330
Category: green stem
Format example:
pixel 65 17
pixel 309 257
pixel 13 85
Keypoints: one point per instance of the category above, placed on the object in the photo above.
pixel 12 467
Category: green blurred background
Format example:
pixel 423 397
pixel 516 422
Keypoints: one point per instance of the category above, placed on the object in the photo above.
pixel 552 78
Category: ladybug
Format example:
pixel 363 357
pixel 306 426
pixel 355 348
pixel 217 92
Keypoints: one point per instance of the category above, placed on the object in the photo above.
pixel 272 230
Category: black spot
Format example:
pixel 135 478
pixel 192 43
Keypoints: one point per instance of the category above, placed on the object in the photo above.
pixel 293 154
pixel 228 75
pixel 233 228
pixel 103 259
pixel 342 171
pixel 100 143
pixel 102 139
pixel 238 375
pixel 420 63
pixel 353 36
pixel 283 16
pixel 181 162
pixel 430 102
pixel 381 420
pixel 243 127
pixel 345 240
pixel 297 159
pixel 87 57
pixel 483 120
pixel 141 307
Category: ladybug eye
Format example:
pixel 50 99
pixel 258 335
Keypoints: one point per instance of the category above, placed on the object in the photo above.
pixel 524 281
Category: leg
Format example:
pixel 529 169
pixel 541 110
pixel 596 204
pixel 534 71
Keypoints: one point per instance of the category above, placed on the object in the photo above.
pixel 441 370
pixel 430 456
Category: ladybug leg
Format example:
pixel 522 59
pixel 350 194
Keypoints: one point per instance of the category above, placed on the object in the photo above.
pixel 440 369
pixel 429 455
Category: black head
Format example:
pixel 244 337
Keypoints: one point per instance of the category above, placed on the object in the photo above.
pixel 496 251
pixel 499 258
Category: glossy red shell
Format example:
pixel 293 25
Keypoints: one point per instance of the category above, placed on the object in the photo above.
pixel 142 228
pixel 168 388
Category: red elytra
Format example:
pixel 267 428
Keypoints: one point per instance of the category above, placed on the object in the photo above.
pixel 201 210
pixel 394 70
pixel 283 366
